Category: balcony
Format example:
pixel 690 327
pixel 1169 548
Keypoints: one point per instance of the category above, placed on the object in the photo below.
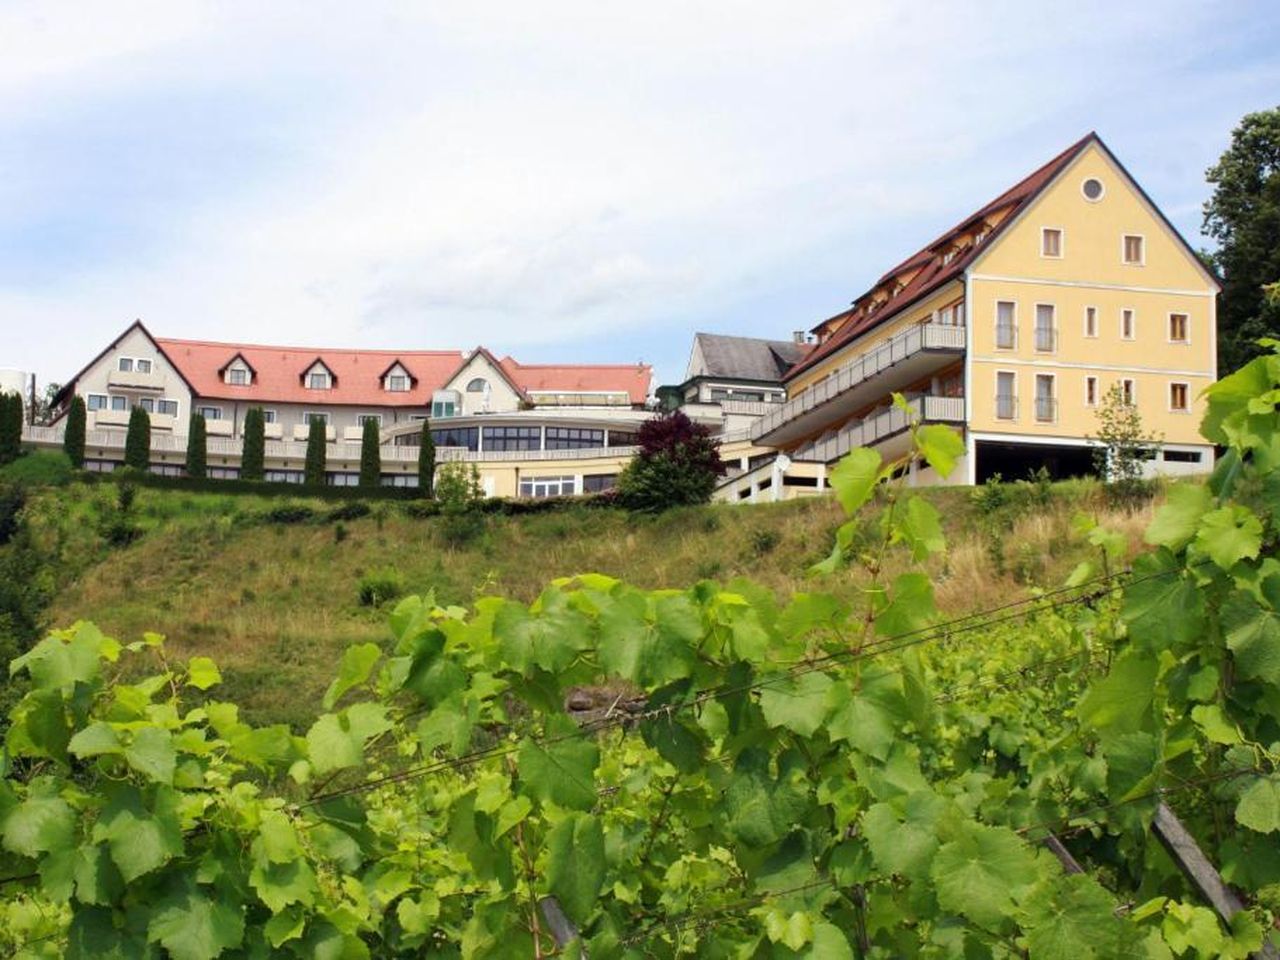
pixel 882 426
pixel 1006 406
pixel 896 363
pixel 1046 340
pixel 135 380
pixel 1046 409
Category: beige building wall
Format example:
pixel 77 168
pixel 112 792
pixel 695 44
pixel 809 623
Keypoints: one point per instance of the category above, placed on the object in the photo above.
pixel 164 382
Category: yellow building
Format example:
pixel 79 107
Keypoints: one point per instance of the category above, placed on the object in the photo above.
pixel 1012 326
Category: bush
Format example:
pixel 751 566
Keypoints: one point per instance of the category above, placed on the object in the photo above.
pixel 253 456
pixel 73 438
pixel 378 586
pixel 678 464
pixel 764 541
pixel 290 513
pixel 421 510
pixel 317 452
pixel 348 511
pixel 197 447
pixel 458 488
pixel 12 499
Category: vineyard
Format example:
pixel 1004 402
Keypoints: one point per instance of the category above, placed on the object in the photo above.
pixel 1088 771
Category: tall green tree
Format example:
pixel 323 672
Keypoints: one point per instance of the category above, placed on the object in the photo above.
pixel 137 442
pixel 10 427
pixel 73 437
pixel 251 459
pixel 197 447
pixel 427 461
pixel 1243 216
pixel 370 456
pixel 316 454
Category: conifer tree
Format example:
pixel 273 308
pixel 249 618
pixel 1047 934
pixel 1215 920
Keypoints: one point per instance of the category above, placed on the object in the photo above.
pixel 370 456
pixel 137 442
pixel 10 427
pixel 197 447
pixel 316 454
pixel 251 459
pixel 427 462
pixel 73 438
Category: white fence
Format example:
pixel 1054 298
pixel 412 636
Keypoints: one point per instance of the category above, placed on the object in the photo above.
pixel 872 430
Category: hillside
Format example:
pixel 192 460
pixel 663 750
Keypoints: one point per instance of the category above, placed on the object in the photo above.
pixel 274 596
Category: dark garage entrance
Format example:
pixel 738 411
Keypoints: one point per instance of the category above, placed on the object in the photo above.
pixel 1018 461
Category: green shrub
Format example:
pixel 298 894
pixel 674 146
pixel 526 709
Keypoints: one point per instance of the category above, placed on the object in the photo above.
pixel 348 511
pixel 197 447
pixel 420 510
pixel 339 533
pixel 458 488
pixel 253 455
pixel 378 586
pixel 137 442
pixel 317 452
pixel 73 438
pixel 289 513
pixel 764 541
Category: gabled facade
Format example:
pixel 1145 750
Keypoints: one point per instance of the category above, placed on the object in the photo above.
pixel 1011 327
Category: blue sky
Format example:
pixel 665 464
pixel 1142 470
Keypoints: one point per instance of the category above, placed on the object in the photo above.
pixel 576 181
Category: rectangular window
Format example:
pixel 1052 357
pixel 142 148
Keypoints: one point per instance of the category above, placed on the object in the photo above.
pixel 1128 392
pixel 1128 324
pixel 311 417
pixel 126 365
pixel 1006 396
pixel 366 417
pixel 148 404
pixel 317 381
pixel 167 408
pixel 1090 321
pixel 1006 325
pixel 1134 250
pixel 284 476
pixel 210 413
pixel 1051 242
pixel 443 408
pixel 512 438
pixel 1046 402
pixel 238 376
pixel 119 403
pixel 398 383
pixel 599 482
pixel 466 437
pixel 96 401
pixel 1179 327
pixel 1178 393
pixel 573 438
pixel 1090 391
pixel 143 366
pixel 548 486
pixel 1046 327
pixel 623 438
pixel 268 416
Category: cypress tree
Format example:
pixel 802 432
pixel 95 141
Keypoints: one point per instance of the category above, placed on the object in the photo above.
pixel 197 447
pixel 427 462
pixel 370 456
pixel 10 427
pixel 73 438
pixel 251 459
pixel 137 442
pixel 316 453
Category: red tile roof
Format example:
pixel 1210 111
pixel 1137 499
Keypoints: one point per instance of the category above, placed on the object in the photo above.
pixel 633 379
pixel 933 273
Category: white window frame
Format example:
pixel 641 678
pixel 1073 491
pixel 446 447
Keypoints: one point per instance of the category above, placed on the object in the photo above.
pixel 269 416
pixel 113 397
pixel 1098 198
pixel 1053 397
pixel 391 388
pixel 1185 341
pixel 307 416
pixel 89 398
pixel 375 417
pixel 1084 319
pixel 216 410
pixel 139 361
pixel 1133 332
pixel 1097 391
pixel 1013 396
pixel 1124 244
pixel 1014 304
pixel 120 364
pixel 313 373
pixel 177 407
pixel 1062 243
pixel 1185 386
pixel 1053 327
pixel 234 369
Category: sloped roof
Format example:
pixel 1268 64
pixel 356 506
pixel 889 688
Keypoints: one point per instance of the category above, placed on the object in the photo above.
pixel 634 379
pixel 933 273
pixel 748 358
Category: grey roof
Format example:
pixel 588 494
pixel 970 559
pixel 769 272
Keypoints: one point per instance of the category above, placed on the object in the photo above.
pixel 748 358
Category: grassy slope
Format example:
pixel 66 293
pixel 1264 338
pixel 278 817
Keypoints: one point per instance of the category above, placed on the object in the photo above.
pixel 276 605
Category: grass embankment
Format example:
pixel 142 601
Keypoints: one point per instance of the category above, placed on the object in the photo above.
pixel 276 603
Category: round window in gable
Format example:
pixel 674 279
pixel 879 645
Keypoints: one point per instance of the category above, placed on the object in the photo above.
pixel 1092 189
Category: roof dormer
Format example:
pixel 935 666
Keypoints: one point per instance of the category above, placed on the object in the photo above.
pixel 238 372
pixel 318 376
pixel 397 378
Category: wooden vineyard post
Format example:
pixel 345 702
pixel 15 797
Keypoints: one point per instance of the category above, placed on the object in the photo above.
pixel 561 927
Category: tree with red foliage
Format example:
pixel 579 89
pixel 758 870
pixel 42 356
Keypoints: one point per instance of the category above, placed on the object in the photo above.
pixel 678 464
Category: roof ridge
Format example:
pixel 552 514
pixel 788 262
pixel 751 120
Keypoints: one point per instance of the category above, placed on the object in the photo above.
pixel 236 345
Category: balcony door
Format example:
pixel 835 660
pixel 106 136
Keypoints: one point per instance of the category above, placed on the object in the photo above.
pixel 1046 402
pixel 1006 395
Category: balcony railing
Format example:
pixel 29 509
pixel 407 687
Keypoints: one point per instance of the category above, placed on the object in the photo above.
pixel 1006 336
pixel 883 425
pixel 1046 409
pixel 1006 406
pixel 921 337
pixel 136 379
pixel 1046 339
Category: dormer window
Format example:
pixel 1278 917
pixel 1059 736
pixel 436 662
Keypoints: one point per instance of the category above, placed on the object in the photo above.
pixel 397 383
pixel 318 380
pixel 238 377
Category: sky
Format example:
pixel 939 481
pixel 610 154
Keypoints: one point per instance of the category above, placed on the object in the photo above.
pixel 561 181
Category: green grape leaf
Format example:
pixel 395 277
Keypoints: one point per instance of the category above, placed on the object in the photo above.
pixel 863 721
pixel 798 703
pixel 576 864
pixel 95 740
pixel 648 652
pixel 63 660
pixel 1121 701
pixel 1259 805
pixel 283 927
pixel 280 884
pixel 829 943
pixel 941 446
pixel 906 844
pixel 561 769
pixel 1176 522
pixel 854 478
pixel 978 873
pixel 1069 918
pixel 910 607
pixel 202 673
pixel 97 879
pixel 1161 605
pixel 449 725
pixel 42 823
pixel 277 840
pixel 152 754
pixel 141 840
pixel 551 639
pixel 1228 535
pixel 919 524
pixel 1253 634
pixel 1214 723
pixel 759 809
pixel 354 669
pixel 193 926
pixel 337 740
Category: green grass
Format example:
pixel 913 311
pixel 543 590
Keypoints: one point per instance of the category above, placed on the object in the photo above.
pixel 38 468
pixel 275 604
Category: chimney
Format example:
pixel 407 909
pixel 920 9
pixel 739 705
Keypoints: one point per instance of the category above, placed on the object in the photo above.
pixel 799 336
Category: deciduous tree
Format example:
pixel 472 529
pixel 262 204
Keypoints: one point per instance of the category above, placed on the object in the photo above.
pixel 678 463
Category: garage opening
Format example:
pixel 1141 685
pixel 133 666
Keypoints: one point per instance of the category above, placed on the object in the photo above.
pixel 1019 461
